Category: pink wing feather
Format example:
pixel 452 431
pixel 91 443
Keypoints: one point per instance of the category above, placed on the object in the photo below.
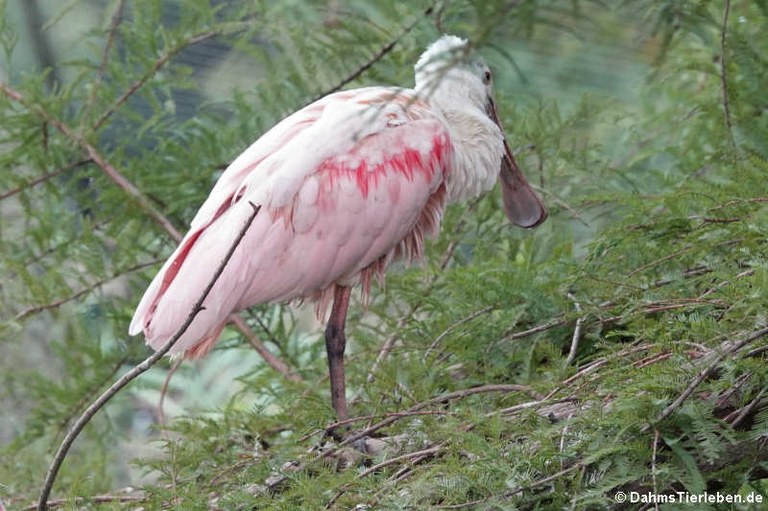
pixel 345 185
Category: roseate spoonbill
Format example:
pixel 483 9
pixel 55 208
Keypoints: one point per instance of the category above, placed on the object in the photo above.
pixel 345 186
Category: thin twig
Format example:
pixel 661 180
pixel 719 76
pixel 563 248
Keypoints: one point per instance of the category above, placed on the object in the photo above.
pixel 276 363
pixel 159 63
pixel 576 331
pixel 705 373
pixel 548 479
pixel 656 262
pixel 58 303
pixel 724 73
pixel 87 415
pixel 535 330
pixel 163 392
pixel 453 327
pixel 561 202
pixel 96 84
pixel 44 178
pixel 375 58
pixel 530 404
pixel 736 422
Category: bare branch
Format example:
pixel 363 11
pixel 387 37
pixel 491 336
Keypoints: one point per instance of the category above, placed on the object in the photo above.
pixel 535 330
pixel 453 327
pixel 744 412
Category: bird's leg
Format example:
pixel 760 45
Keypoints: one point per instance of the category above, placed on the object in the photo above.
pixel 335 342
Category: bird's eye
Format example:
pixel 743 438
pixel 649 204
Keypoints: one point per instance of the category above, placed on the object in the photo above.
pixel 487 77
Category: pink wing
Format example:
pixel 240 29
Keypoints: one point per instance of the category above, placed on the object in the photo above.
pixel 345 185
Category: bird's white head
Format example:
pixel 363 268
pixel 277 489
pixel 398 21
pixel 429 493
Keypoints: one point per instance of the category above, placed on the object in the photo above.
pixel 448 71
pixel 459 84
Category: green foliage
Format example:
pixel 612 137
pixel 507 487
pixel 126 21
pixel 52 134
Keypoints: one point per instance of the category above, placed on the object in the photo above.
pixel 647 137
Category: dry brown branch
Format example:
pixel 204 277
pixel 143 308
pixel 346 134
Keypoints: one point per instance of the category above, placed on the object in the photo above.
pixel 509 336
pixel 747 410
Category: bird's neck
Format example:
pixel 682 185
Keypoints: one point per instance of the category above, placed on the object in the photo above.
pixel 478 142
pixel 478 149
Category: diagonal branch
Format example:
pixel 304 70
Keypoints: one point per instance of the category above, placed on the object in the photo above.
pixel 96 157
pixel 86 290
pixel 98 404
pixel 121 181
pixel 45 177
pixel 267 355
pixel 376 57
pixel 159 64
pixel 706 372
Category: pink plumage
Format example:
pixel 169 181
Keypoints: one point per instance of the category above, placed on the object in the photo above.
pixel 345 186
pixel 332 212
